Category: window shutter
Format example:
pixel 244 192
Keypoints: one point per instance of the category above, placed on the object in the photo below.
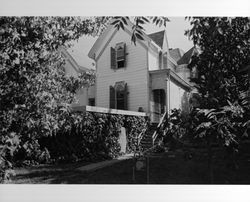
pixel 111 97
pixel 112 58
pixel 125 97
pixel 124 55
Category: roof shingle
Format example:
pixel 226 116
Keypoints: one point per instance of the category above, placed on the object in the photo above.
pixel 176 53
pixel 158 37
pixel 187 56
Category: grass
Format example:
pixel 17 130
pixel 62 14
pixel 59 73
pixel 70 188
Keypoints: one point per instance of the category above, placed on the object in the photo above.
pixel 166 168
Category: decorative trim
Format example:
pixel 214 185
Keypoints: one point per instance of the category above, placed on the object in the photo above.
pixel 105 46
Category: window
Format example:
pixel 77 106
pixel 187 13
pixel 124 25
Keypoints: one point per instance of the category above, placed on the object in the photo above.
pixel 159 100
pixel 91 101
pixel 160 60
pixel 119 96
pixel 118 56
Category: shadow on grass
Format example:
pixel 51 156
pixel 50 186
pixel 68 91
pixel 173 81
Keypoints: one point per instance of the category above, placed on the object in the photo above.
pixel 163 169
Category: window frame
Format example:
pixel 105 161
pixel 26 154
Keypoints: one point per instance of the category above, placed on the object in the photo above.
pixel 118 61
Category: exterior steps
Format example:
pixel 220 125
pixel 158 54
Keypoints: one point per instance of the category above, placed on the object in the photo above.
pixel 146 141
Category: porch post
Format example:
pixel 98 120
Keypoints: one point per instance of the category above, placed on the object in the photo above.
pixel 168 92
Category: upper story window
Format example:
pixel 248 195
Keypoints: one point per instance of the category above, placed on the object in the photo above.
pixel 118 56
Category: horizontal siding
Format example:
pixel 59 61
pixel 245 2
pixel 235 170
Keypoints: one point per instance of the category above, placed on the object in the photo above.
pixel 153 63
pixel 171 65
pixel 134 74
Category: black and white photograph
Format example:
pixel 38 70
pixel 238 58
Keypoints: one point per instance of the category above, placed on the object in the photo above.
pixel 124 99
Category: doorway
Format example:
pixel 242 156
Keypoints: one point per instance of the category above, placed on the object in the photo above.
pixel 159 98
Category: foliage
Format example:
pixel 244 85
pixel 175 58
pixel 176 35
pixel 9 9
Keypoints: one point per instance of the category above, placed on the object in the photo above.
pixel 34 89
pixel 224 50
pixel 138 23
pixel 134 126
pixel 223 116
pixel 175 128
pixel 91 136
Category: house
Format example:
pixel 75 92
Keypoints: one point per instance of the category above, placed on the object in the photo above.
pixel 85 96
pixel 148 76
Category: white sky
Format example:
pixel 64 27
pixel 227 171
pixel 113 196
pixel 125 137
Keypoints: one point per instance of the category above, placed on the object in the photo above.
pixel 175 33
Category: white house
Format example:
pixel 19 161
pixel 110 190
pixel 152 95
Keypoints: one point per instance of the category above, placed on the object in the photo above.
pixel 85 96
pixel 142 77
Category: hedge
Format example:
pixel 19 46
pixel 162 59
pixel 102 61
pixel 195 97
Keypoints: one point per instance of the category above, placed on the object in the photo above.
pixel 88 137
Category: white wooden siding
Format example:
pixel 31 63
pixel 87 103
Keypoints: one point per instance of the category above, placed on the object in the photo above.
pixel 134 74
pixel 82 96
pixel 183 72
pixel 176 96
pixel 153 63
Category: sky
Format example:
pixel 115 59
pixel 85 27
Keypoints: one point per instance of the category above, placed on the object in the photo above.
pixel 175 34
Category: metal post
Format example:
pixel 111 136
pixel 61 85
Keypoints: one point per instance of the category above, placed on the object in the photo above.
pixel 133 175
pixel 147 169
pixel 133 169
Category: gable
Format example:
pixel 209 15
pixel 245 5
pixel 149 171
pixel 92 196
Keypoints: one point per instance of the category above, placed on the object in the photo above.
pixel 186 58
pixel 100 46
pixel 176 53
pixel 71 66
pixel 158 38
pixel 109 33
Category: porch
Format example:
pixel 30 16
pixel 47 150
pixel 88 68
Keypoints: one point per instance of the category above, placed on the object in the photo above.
pixel 167 91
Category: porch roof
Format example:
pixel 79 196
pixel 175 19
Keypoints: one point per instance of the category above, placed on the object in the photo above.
pixel 173 77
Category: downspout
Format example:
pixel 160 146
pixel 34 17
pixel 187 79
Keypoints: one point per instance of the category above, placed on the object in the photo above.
pixel 148 82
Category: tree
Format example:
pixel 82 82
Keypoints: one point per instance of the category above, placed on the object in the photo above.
pixel 34 89
pixel 224 45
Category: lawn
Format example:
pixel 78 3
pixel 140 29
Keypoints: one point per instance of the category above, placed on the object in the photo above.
pixel 166 168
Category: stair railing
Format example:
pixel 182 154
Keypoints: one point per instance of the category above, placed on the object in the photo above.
pixel 138 142
pixel 140 136
pixel 156 133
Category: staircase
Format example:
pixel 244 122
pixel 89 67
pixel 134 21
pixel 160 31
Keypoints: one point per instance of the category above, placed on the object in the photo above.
pixel 150 137
pixel 147 141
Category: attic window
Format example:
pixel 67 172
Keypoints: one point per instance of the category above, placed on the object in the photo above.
pixel 118 56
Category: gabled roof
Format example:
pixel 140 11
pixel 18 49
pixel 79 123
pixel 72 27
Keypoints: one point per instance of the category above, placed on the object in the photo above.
pixel 186 58
pixel 67 55
pixel 73 62
pixel 128 28
pixel 176 53
pixel 158 37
